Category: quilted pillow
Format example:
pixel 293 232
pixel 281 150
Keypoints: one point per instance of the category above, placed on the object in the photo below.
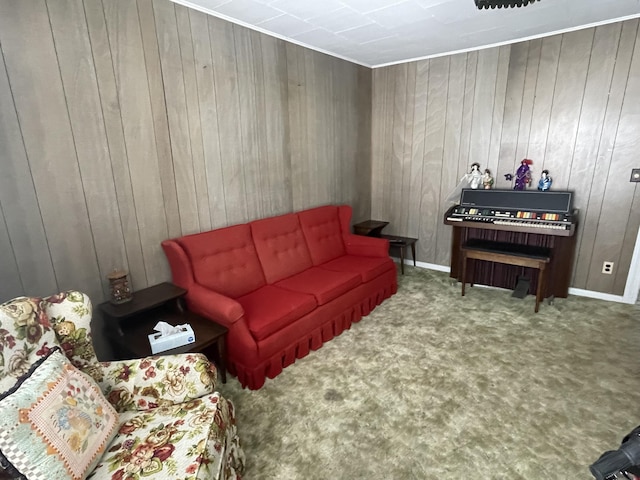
pixel 55 422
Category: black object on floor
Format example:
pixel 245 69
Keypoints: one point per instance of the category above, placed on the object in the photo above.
pixel 522 288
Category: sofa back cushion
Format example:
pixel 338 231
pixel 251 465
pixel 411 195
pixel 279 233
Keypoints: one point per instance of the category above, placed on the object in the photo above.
pixel 281 247
pixel 225 260
pixel 321 228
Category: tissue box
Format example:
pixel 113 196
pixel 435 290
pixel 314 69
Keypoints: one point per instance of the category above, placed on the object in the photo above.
pixel 175 340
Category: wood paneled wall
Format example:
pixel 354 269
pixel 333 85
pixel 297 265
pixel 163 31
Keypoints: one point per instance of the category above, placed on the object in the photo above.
pixel 570 102
pixel 123 123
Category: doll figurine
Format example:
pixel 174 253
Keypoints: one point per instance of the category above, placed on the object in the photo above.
pixel 487 180
pixel 474 177
pixel 523 175
pixel 545 181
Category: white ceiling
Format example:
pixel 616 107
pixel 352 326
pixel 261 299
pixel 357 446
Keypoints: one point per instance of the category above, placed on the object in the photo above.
pixel 376 33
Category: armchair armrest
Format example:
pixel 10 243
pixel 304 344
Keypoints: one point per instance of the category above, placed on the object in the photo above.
pixel 150 382
pixel 362 246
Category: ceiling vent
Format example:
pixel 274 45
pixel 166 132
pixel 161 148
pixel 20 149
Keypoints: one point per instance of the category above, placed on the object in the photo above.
pixel 502 3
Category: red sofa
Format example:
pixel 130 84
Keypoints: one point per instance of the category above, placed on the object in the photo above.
pixel 282 285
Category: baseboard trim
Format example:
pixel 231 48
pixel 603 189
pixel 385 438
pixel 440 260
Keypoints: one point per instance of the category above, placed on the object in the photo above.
pixel 573 291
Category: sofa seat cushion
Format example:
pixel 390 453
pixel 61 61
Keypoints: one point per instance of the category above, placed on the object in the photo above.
pixel 172 441
pixel 367 267
pixel 325 285
pixel 269 309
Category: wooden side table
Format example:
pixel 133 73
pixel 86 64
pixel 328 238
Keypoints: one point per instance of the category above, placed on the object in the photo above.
pixel 402 243
pixel 369 228
pixel 373 228
pixel 129 324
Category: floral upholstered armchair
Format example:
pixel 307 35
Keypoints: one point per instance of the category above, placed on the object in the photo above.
pixel 64 414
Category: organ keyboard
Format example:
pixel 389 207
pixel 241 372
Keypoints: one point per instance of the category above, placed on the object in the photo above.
pixel 533 218
pixel 521 211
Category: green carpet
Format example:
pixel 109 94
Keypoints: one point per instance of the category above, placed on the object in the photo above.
pixel 432 385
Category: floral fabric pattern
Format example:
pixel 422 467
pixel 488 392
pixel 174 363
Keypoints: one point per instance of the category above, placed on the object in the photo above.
pixel 147 443
pixel 55 422
pixel 172 422
pixel 25 336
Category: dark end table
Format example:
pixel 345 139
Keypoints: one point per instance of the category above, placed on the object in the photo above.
pixel 369 228
pixel 402 243
pixel 373 228
pixel 128 325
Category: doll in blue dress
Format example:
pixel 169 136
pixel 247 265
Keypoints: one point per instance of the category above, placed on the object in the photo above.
pixel 545 181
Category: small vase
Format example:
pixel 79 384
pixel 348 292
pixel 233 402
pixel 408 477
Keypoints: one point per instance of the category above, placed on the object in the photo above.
pixel 119 287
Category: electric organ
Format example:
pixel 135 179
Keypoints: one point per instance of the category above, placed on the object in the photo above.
pixel 520 219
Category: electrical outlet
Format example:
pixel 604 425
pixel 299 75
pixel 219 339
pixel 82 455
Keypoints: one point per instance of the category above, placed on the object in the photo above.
pixel 635 175
pixel 607 267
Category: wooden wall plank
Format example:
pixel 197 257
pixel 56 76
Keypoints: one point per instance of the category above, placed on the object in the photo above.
pixel 125 38
pixel 319 106
pixel 194 132
pixel 34 77
pixel 26 244
pixel 72 43
pixel 379 116
pixel 465 157
pixel 417 145
pixel 394 190
pixel 498 109
pixel 457 165
pixel 435 142
pixel 507 161
pixel 225 77
pixel 324 112
pixel 276 109
pixel 160 117
pixel 360 177
pixel 433 158
pixel 592 121
pixel 404 207
pixel 262 146
pixel 543 101
pixel 631 233
pixel 451 148
pixel 390 101
pixel 590 217
pixel 528 102
pixel 176 108
pixel 251 156
pixel 297 120
pixel 207 106
pixel 339 115
pixel 10 283
pixel 618 222
pixel 103 64
pixel 304 162
pixel 483 100
pixel 567 105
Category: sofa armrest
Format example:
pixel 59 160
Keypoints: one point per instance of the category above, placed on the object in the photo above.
pixel 362 246
pixel 150 382
pixel 180 265
pixel 219 308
